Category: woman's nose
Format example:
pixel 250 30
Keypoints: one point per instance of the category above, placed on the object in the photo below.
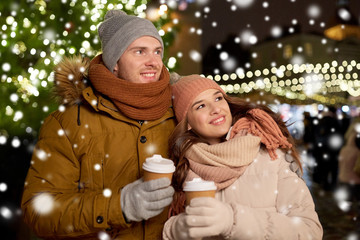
pixel 215 109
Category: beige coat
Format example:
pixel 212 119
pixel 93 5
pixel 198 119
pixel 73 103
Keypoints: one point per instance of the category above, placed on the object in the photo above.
pixel 269 201
pixel 85 155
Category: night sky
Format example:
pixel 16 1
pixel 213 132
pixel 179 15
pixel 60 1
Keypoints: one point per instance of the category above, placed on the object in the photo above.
pixel 260 17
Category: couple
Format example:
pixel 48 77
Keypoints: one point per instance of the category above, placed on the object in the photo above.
pixel 86 167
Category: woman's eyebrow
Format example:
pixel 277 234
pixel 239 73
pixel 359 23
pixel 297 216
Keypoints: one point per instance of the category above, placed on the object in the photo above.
pixel 197 102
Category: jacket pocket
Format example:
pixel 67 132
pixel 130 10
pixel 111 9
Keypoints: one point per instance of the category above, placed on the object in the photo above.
pixel 91 172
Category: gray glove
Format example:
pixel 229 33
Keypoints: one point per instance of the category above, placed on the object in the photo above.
pixel 293 165
pixel 142 200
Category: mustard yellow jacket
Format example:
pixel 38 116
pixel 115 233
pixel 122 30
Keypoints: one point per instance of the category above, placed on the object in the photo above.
pixel 86 153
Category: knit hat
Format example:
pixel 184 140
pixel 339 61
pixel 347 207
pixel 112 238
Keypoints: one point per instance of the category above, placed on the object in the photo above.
pixel 186 89
pixel 118 31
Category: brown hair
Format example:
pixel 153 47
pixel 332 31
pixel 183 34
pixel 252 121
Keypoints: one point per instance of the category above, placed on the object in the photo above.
pixel 182 139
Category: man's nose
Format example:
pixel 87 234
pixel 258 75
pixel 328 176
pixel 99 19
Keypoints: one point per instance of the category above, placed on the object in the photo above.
pixel 153 60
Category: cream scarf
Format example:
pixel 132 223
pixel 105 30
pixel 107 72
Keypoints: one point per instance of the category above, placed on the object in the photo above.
pixel 224 162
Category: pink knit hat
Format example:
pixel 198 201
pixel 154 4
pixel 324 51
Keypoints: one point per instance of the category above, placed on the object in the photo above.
pixel 186 89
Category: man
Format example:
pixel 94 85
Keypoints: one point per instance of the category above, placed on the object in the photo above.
pixel 85 176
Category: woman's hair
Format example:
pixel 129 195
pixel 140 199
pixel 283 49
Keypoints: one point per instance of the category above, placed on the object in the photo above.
pixel 182 138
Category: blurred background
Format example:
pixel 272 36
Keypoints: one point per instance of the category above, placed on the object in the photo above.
pixel 302 58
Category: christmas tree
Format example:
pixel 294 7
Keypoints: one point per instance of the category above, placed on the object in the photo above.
pixel 36 35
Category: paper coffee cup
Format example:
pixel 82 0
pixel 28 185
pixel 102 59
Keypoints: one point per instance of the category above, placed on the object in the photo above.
pixel 199 188
pixel 158 167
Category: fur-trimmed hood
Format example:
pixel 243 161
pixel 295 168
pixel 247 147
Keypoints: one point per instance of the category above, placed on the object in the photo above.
pixel 71 79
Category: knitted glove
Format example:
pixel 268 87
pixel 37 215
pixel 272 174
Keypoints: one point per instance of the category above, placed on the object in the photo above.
pixel 293 165
pixel 180 230
pixel 142 200
pixel 209 217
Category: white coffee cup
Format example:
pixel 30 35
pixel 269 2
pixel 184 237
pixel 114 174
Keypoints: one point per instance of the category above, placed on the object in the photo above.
pixel 199 188
pixel 158 167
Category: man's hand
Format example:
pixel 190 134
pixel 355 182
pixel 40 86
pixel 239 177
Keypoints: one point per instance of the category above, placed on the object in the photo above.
pixel 142 200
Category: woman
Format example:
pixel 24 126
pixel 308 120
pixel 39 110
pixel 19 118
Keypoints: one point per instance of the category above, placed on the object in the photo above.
pixel 258 196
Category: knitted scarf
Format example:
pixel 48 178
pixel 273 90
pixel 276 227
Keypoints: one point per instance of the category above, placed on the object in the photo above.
pixel 222 163
pixel 140 101
pixel 264 127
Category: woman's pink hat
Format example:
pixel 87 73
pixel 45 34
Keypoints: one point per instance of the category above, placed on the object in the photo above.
pixel 186 89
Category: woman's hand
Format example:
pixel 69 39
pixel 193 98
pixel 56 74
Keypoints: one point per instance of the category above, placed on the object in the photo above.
pixel 208 217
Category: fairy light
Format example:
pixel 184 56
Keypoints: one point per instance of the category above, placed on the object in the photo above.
pixel 285 80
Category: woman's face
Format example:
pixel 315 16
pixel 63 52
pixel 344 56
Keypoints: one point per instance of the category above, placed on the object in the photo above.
pixel 209 116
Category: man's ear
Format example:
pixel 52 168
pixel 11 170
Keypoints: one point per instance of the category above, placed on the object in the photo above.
pixel 116 68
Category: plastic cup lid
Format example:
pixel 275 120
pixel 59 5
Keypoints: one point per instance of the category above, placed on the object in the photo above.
pixel 197 184
pixel 158 164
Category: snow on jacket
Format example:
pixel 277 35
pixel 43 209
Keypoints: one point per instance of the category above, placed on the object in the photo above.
pixel 269 201
pixel 348 156
pixel 85 155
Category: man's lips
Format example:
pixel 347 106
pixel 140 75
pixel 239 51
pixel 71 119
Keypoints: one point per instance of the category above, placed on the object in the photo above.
pixel 152 74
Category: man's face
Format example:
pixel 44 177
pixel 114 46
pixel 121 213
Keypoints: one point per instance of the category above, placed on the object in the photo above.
pixel 141 62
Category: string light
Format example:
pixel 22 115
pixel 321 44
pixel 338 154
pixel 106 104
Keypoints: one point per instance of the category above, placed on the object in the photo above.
pixel 301 82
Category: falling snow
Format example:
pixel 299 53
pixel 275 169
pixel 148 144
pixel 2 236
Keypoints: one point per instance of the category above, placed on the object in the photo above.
pixel 41 154
pixel 3 187
pixel 6 213
pixel 54 44
pixel 103 236
pixel 43 203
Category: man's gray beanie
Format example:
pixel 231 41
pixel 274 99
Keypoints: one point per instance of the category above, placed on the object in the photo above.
pixel 118 31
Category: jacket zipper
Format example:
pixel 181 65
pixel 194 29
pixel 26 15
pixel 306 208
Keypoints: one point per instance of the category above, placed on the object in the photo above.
pixel 102 172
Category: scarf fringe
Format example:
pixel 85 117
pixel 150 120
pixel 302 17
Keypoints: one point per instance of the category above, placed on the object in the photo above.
pixel 264 127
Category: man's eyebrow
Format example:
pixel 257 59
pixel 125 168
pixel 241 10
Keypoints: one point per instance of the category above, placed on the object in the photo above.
pixel 197 102
pixel 143 47
pixel 136 48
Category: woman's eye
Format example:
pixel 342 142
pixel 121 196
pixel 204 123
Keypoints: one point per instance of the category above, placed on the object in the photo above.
pixel 219 98
pixel 200 106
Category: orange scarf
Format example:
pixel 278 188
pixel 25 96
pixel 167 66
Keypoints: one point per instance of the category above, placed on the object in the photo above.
pixel 139 101
pixel 264 127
